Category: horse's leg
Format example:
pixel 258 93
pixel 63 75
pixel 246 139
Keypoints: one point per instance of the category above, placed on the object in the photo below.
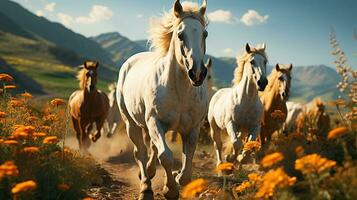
pixel 140 153
pixel 99 123
pixel 84 134
pixel 151 166
pixel 157 135
pixel 252 136
pixel 173 136
pixel 78 131
pixel 217 141
pixel 236 141
pixel 113 129
pixel 189 143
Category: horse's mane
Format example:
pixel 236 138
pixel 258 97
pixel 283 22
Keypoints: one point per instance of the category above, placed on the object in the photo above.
pixel 81 75
pixel 238 72
pixel 161 29
pixel 274 76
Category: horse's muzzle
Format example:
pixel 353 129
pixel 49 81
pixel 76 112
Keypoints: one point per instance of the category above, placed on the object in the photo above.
pixel 262 83
pixel 197 80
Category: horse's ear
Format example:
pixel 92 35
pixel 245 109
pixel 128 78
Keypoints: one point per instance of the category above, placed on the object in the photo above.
pixel 247 48
pixel 203 7
pixel 290 67
pixel 264 46
pixel 96 64
pixel 178 10
pixel 277 67
pixel 209 63
pixel 85 64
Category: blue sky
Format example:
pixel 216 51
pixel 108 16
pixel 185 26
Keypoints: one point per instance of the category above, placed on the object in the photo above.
pixel 295 31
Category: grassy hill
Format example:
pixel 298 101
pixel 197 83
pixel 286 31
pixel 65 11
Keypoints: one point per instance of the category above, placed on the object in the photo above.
pixel 43 65
pixel 52 32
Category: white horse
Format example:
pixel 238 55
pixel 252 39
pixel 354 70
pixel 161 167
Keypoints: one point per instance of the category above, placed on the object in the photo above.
pixel 166 90
pixel 294 109
pixel 114 120
pixel 238 110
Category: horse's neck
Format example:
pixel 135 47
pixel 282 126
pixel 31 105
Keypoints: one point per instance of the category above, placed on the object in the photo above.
pixel 246 87
pixel 89 95
pixel 272 96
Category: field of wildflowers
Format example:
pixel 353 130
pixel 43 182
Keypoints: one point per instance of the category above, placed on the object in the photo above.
pixel 34 164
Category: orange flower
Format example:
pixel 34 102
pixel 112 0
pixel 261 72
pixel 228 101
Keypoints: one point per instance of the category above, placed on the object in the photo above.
pixel 337 132
pixel 276 178
pixel 27 95
pixel 242 187
pixel 224 167
pixel 272 159
pixel 2 114
pixel 313 163
pixel 39 134
pixel 57 102
pixel 6 78
pixel 31 149
pixel 23 131
pixel 63 187
pixel 252 146
pixel 254 177
pixel 88 198
pixel 11 142
pixel 194 188
pixel 50 140
pixel 299 151
pixel 278 114
pixel 16 103
pixel 24 186
pixel 8 169
pixel 50 117
pixel 10 87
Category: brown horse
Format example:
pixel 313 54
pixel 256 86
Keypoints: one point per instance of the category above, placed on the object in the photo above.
pixel 88 105
pixel 274 100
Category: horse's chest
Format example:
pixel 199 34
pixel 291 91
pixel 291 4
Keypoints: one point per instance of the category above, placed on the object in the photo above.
pixel 248 114
pixel 180 112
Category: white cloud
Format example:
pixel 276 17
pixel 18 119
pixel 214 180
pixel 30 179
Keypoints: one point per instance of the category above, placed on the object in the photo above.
pixel 228 51
pixel 222 16
pixel 139 16
pixel 50 7
pixel 97 14
pixel 252 17
pixel 40 13
pixel 65 19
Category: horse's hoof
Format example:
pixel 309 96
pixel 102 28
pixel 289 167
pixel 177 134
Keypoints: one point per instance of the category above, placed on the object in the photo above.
pixel 175 173
pixel 172 194
pixel 146 195
pixel 95 137
pixel 109 135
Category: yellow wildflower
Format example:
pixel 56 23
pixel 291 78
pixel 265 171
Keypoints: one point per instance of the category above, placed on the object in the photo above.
pixel 276 178
pixel 337 132
pixel 10 87
pixel 8 169
pixel 16 103
pixel 252 146
pixel 50 140
pixel 11 142
pixel 194 188
pixel 31 149
pixel 27 95
pixel 57 102
pixel 6 78
pixel 254 177
pixel 313 163
pixel 224 167
pixel 272 159
pixel 24 186
pixel 242 187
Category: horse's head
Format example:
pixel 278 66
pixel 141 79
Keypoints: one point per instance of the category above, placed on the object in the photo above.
pixel 284 78
pixel 257 63
pixel 90 75
pixel 190 41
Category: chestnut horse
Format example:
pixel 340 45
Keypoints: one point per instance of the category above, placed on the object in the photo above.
pixel 274 99
pixel 88 105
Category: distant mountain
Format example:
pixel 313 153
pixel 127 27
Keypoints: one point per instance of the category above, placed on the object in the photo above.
pixel 39 27
pixel 120 47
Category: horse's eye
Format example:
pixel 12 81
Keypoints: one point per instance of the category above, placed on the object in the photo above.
pixel 205 34
pixel 180 36
pixel 281 78
pixel 252 62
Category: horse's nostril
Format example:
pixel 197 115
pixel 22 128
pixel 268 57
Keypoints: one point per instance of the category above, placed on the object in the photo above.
pixel 191 74
pixel 259 82
pixel 204 73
